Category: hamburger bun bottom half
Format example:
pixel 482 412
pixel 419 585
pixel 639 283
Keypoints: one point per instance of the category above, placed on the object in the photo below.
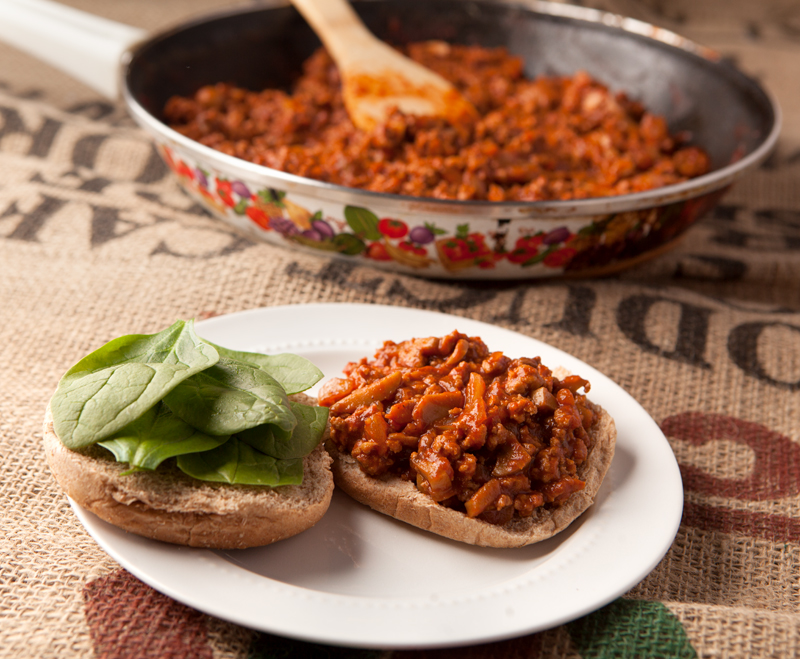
pixel 402 500
pixel 167 505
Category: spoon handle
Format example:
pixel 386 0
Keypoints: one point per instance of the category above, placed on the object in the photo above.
pixel 340 30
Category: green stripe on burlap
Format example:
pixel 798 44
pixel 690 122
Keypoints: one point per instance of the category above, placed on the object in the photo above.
pixel 267 646
pixel 631 629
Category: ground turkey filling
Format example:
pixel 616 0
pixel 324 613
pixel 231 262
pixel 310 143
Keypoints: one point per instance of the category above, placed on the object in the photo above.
pixel 482 433
pixel 552 138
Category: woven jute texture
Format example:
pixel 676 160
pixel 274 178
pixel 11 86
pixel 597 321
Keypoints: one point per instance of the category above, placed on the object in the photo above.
pixel 97 240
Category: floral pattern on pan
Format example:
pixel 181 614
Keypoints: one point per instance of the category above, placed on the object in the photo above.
pixel 487 248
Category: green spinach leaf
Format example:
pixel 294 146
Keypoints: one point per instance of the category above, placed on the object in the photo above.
pixel 157 435
pixel 229 397
pixel 116 384
pixel 278 443
pixel 239 463
pixel 294 373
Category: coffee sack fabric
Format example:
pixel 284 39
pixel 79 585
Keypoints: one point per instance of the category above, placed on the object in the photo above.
pixel 97 240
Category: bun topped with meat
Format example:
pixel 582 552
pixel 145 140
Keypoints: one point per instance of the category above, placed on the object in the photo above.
pixel 470 444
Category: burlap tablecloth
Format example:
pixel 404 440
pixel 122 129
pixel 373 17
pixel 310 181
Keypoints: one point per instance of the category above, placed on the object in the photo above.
pixel 96 240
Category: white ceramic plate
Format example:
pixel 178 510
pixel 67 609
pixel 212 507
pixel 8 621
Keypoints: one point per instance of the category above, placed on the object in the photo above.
pixel 361 579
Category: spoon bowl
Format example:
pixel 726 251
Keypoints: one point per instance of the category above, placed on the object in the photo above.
pixel 376 78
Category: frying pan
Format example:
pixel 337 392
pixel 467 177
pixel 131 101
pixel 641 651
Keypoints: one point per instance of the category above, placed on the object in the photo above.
pixel 727 113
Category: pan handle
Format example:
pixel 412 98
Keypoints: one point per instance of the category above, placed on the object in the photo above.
pixel 85 46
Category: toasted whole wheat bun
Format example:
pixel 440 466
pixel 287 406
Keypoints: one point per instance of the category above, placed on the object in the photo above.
pixel 167 505
pixel 402 500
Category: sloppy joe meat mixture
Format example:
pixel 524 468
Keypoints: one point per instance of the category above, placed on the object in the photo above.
pixel 479 432
pixel 552 138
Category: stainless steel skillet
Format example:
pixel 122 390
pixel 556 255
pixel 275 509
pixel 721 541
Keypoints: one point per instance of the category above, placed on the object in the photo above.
pixel 727 113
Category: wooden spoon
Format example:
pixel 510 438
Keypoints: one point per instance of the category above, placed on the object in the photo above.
pixel 375 77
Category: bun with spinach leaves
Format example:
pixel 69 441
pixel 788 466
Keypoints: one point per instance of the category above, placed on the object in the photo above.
pixel 166 504
pixel 173 438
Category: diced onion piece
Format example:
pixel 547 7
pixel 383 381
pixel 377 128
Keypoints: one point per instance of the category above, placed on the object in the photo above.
pixel 437 471
pixel 472 419
pixel 559 491
pixel 335 389
pixel 486 495
pixel 433 407
pixel 544 399
pixel 372 393
pixel 513 458
pixel 376 430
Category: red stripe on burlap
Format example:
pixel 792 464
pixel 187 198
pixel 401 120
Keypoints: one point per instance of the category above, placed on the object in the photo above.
pixel 776 473
pixel 775 528
pixel 129 620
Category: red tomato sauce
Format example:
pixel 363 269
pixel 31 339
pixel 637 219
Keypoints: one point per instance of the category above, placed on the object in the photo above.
pixel 479 432
pixel 552 138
